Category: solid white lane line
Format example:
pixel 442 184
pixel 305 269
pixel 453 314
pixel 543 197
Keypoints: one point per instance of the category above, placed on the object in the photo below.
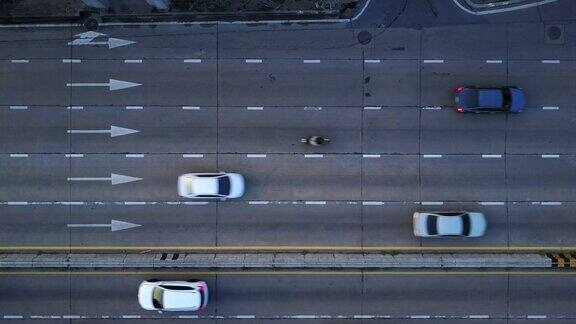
pixel 74 155
pixel 550 61
pixel 491 156
pixel 311 61
pixel 134 203
pixel 491 203
pixel 550 108
pixel 134 155
pixel 313 155
pixel 433 61
pixel 254 108
pixel 18 107
pixel 315 202
pixel 255 155
pixel 536 316
pixel 479 316
pixel 134 107
pixel 551 203
pixel 371 155
pixel 371 61
pixel 432 156
pixel 372 203
pixel 192 61
pixel 19 155
pixel 133 61
pixel 71 61
pixel 192 155
pixel 75 107
pixel 20 61
pixel 420 316
pixel 258 202
pixel 190 107
pixel 550 156
pixel 253 61
pixel 494 61
pixel 71 203
pixel 17 203
pixel 432 203
pixel 13 317
pixel 372 108
pixel 71 316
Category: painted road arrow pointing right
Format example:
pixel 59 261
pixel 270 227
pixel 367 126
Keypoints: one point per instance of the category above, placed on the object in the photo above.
pixel 114 131
pixel 114 179
pixel 112 84
pixel 114 225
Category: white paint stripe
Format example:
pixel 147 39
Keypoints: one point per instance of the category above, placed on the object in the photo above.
pixel 536 316
pixel 420 316
pixel 432 156
pixel 74 155
pixel 255 108
pixel 550 108
pixel 245 316
pixel 432 203
pixel 190 107
pixel 19 155
pixel 134 203
pixel 433 61
pixel 550 156
pixel 551 203
pixel 133 61
pixel 372 203
pixel 75 107
pixel 71 316
pixel 432 108
pixel 131 316
pixel 312 61
pixel 494 61
pixel 258 202
pixel 371 155
pixel 71 61
pixel 249 61
pixel 492 203
pixel 134 155
pixel 70 203
pixel 192 61
pixel 315 203
pixel 17 203
pixel 13 317
pixel 550 61
pixel 192 155
pixel 491 156
pixel 255 155
pixel 371 61
pixel 372 108
pixel 18 107
pixel 313 155
pixel 189 316
pixel 304 316
pixel 195 203
pixel 134 107
pixel 479 316
pixel 20 61
pixel 363 316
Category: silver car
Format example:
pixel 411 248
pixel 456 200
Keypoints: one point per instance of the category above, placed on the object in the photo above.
pixel 449 224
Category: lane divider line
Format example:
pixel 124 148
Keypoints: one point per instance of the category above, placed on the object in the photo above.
pixel 192 61
pixel 17 203
pixel 550 108
pixel 372 61
pixel 479 316
pixel 311 61
pixel 492 203
pixel 315 202
pixel 494 61
pixel 71 61
pixel 313 155
pixel 550 61
pixel 432 108
pixel 253 61
pixel 432 203
pixel 432 156
pixel 551 203
pixel 550 156
pixel 372 203
pixel 134 107
pixel 186 156
pixel 372 108
pixel 536 316
pixel 133 61
pixel 18 107
pixel 134 155
pixel 19 61
pixel 369 156
pixel 75 107
pixel 255 155
pixel 433 61
pixel 191 107
pixel 18 155
pixel 491 156
pixel 258 202
pixel 254 108
pixel 74 155
pixel 134 203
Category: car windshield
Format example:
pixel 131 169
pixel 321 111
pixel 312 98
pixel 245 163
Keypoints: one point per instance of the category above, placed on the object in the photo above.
pixel 465 225
pixel 431 225
pixel 157 294
pixel 224 185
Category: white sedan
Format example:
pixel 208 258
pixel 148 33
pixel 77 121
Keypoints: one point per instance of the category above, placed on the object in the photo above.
pixel 449 224
pixel 173 295
pixel 211 185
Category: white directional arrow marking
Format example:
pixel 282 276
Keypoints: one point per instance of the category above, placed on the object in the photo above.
pixel 114 179
pixel 112 84
pixel 111 42
pixel 113 131
pixel 90 34
pixel 114 225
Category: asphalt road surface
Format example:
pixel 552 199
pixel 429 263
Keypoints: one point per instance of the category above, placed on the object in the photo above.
pixel 238 99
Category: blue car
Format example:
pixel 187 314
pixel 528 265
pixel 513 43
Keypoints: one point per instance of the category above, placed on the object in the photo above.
pixel 489 100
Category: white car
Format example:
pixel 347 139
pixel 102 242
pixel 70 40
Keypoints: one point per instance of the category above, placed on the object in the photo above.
pixel 211 185
pixel 173 295
pixel 449 224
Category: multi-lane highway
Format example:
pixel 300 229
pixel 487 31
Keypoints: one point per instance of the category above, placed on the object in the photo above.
pixel 238 99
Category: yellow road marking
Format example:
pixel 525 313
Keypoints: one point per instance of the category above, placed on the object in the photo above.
pixel 295 272
pixel 288 248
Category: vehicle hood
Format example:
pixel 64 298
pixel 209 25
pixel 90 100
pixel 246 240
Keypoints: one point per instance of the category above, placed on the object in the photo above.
pixel 518 100
pixel 181 300
pixel 145 296
pixel 477 224
pixel 237 185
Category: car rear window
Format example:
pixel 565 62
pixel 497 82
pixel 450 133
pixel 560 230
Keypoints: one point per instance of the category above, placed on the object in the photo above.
pixel 431 225
pixel 224 185
pixel 465 225
pixel 471 99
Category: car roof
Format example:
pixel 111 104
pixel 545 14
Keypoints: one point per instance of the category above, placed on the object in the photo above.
pixel 205 186
pixel 490 98
pixel 181 299
pixel 449 225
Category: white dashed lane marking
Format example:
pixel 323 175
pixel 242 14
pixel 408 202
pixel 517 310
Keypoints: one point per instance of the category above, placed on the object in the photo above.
pixel 192 61
pixel 372 61
pixel 71 61
pixel 372 108
pixel 312 61
pixel 433 61
pixel 254 108
pixel 132 61
pixel 192 155
pixel 551 61
pixel 18 107
pixel 494 61
pixel 134 107
pixel 190 107
pixel 253 61
pixel 20 61
pixel 550 108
